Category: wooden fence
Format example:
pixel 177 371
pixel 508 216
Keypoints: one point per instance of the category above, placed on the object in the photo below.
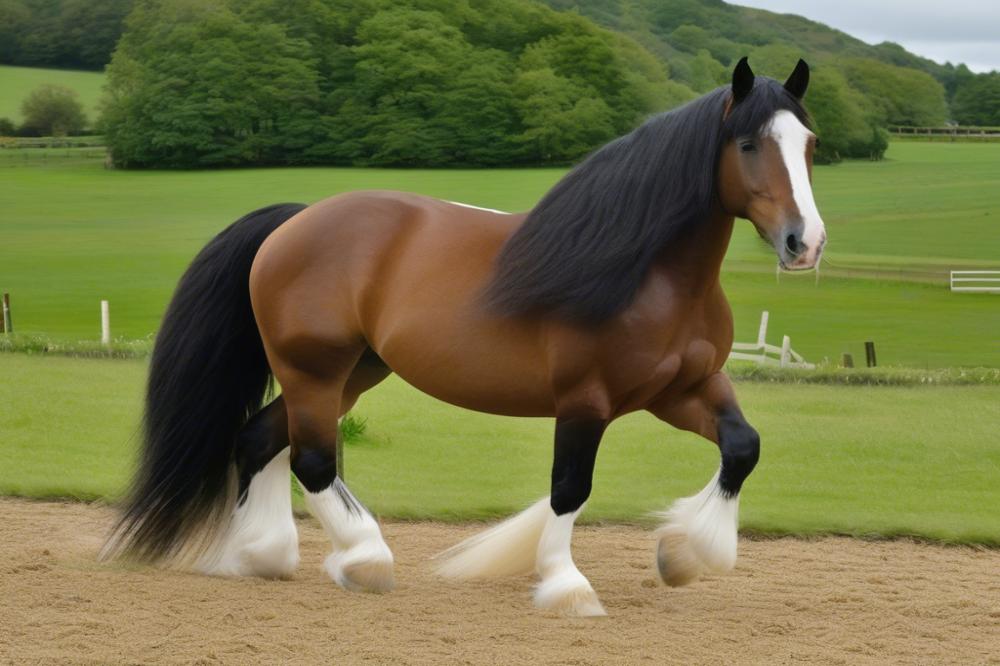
pixel 947 133
pixel 764 354
pixel 975 282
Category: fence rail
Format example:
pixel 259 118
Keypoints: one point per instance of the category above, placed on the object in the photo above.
pixel 764 354
pixel 976 282
pixel 947 133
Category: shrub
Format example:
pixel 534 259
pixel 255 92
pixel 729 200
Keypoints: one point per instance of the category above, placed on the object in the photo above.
pixel 51 110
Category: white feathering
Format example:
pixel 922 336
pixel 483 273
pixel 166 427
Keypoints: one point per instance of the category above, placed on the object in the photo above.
pixel 261 538
pixel 699 533
pixel 506 549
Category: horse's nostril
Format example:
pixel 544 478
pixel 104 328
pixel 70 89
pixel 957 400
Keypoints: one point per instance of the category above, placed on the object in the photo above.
pixel 792 243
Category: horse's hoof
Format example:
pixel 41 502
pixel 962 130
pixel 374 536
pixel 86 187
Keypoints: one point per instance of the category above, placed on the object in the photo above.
pixel 676 560
pixel 569 593
pixel 271 557
pixel 366 567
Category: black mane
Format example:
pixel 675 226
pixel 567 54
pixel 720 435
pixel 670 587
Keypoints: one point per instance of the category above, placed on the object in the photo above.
pixel 585 249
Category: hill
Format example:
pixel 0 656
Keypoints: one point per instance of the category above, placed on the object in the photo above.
pixel 17 82
pixel 676 30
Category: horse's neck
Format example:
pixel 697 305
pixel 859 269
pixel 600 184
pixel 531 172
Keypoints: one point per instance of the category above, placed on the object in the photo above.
pixel 696 257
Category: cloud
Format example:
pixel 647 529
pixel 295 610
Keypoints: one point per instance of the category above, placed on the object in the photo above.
pixel 956 31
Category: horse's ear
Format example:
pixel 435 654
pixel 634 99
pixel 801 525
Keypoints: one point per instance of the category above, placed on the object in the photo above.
pixel 799 80
pixel 742 80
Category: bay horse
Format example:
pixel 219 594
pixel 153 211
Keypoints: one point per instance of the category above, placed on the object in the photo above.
pixel 603 300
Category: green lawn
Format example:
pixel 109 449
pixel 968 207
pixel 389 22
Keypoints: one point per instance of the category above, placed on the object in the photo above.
pixel 850 460
pixel 17 82
pixel 74 233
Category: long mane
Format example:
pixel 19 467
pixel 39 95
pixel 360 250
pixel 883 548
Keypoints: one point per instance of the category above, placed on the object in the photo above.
pixel 586 247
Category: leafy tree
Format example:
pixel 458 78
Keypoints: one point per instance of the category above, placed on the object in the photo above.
pixel 193 85
pixel 7 127
pixel 51 110
pixel 376 82
pixel 902 96
pixel 561 123
pixel 689 38
pixel 977 100
pixel 843 120
pixel 706 73
pixel 60 33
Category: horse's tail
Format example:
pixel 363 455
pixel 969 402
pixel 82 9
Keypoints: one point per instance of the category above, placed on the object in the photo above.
pixel 207 377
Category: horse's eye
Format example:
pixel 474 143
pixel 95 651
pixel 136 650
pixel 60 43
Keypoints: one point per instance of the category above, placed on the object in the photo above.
pixel 748 147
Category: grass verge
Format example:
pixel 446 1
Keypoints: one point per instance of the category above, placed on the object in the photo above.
pixel 864 461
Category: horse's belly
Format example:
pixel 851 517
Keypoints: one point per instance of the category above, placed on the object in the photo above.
pixel 488 366
pixel 476 383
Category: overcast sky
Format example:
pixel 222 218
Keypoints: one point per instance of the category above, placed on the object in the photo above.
pixel 957 30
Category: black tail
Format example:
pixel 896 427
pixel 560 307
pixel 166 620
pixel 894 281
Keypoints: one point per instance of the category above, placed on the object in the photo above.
pixel 207 377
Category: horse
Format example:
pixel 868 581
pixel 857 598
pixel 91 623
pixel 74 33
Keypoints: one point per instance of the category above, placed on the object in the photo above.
pixel 602 300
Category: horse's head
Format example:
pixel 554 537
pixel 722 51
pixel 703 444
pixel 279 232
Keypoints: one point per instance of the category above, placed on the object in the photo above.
pixel 765 169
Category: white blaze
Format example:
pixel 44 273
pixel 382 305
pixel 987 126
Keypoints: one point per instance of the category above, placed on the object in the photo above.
pixel 791 136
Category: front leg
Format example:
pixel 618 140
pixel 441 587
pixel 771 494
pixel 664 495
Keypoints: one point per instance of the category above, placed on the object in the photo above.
pixel 700 532
pixel 562 586
pixel 539 537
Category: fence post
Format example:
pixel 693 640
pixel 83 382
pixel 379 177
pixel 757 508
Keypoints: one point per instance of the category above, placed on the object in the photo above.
pixel 762 333
pixel 786 349
pixel 8 326
pixel 847 360
pixel 870 354
pixel 105 324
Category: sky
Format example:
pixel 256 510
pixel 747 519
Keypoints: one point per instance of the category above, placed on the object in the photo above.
pixel 957 31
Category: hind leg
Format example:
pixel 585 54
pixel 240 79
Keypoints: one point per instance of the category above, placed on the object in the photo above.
pixel 261 538
pixel 360 560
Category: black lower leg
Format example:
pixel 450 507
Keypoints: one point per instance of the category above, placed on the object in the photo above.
pixel 739 444
pixel 316 466
pixel 573 465
pixel 263 437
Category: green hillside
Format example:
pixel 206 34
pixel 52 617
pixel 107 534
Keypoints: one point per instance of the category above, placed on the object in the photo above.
pixel 676 30
pixel 17 82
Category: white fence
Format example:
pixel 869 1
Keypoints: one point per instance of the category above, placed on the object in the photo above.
pixel 976 281
pixel 765 354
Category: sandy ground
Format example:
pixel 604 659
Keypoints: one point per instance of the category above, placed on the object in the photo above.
pixel 829 601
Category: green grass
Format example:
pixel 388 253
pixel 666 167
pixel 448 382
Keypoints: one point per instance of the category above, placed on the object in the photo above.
pixel 852 460
pixel 17 82
pixel 74 233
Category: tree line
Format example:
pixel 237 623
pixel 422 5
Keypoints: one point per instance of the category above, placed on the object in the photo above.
pixel 454 83
pixel 372 82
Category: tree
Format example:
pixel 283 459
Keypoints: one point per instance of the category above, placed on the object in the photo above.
pixel 844 121
pixel 977 100
pixel 191 85
pixel 561 122
pixel 707 73
pixel 901 96
pixel 374 82
pixel 51 110
pixel 60 33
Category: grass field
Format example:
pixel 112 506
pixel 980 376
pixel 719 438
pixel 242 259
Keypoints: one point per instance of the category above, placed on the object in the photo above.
pixel 851 460
pixel 17 82
pixel 75 233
